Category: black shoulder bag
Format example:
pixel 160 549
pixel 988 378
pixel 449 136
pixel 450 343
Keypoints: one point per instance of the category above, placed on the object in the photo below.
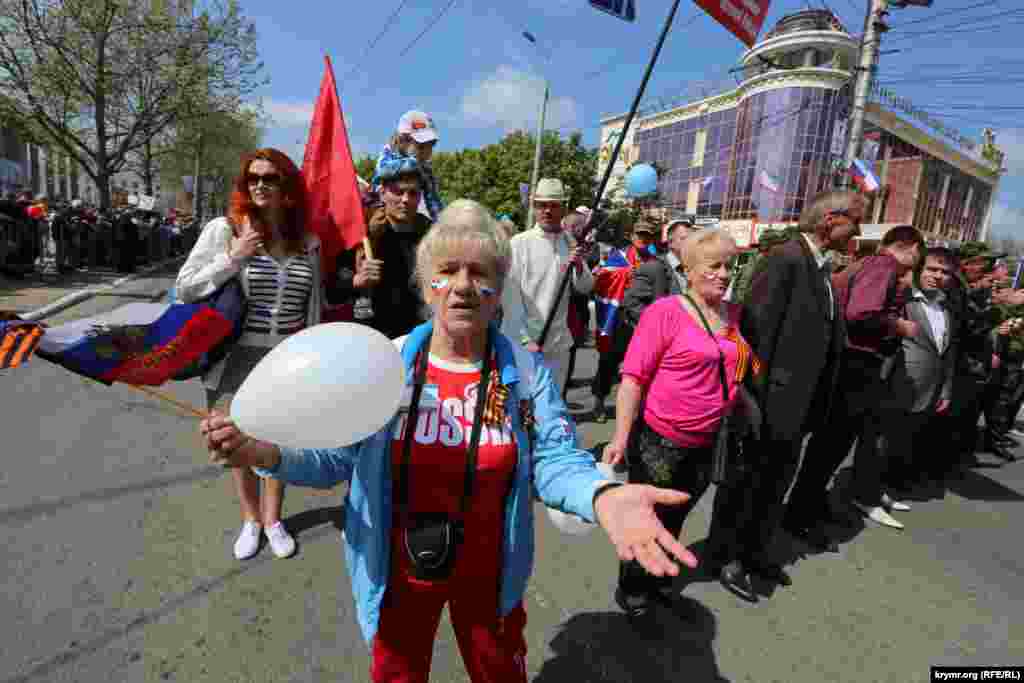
pixel 727 442
pixel 431 539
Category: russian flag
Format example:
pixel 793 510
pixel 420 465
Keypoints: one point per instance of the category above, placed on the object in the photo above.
pixel 611 280
pixel 140 343
pixel 864 177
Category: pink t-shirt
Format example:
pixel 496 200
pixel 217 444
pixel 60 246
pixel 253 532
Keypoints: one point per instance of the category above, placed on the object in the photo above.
pixel 672 356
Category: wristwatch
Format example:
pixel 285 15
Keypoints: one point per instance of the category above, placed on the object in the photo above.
pixel 602 487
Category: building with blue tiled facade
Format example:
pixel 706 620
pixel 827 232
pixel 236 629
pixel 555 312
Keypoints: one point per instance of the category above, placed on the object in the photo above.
pixel 756 154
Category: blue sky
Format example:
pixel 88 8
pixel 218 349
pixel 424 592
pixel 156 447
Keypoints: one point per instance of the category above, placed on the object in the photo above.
pixel 479 78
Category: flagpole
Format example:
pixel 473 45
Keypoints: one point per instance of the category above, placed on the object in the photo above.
pixel 611 163
pixel 170 399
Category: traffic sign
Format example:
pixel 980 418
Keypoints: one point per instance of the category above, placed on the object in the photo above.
pixel 623 9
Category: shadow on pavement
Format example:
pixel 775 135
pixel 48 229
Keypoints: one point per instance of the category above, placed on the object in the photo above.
pixel 666 646
pixel 308 519
pixel 974 486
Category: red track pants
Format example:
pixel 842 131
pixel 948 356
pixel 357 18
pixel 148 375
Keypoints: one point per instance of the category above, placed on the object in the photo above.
pixel 493 649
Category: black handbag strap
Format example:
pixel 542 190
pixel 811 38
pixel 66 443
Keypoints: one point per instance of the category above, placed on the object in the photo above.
pixel 721 356
pixel 422 361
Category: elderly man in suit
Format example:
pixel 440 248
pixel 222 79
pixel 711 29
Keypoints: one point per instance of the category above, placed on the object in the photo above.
pixel 924 384
pixel 793 321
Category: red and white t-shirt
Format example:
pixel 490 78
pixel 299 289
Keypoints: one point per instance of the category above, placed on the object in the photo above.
pixel 437 464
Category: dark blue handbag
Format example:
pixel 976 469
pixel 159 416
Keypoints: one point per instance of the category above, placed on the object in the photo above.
pixel 229 301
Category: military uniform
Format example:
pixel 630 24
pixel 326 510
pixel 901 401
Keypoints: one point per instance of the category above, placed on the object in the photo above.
pixel 974 367
pixel 1007 385
pixel 771 238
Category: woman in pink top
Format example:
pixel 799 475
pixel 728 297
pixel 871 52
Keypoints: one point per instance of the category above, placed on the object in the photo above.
pixel 671 371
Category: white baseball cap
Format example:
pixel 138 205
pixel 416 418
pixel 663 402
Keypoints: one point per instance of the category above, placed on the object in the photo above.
pixel 419 125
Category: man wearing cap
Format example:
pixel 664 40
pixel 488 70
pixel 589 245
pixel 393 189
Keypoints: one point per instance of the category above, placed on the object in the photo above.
pixel 767 240
pixel 394 231
pixel 414 138
pixel 540 257
pixel 650 278
pixel 971 295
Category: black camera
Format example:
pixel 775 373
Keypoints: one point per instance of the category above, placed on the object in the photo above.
pixel 431 542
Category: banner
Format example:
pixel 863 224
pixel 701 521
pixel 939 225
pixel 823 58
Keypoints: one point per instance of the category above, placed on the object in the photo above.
pixel 742 18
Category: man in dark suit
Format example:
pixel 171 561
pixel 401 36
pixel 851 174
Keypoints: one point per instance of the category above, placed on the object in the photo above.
pixel 652 278
pixel 872 294
pixel 924 383
pixel 792 320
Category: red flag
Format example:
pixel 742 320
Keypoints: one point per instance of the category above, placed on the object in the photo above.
pixel 334 207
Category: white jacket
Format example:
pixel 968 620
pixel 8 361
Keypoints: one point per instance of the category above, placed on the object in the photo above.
pixel 539 260
pixel 209 266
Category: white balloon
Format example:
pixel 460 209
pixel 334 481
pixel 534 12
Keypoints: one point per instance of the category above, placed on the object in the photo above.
pixel 574 525
pixel 327 386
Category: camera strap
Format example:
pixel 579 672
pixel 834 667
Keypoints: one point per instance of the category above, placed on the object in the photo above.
pixel 422 361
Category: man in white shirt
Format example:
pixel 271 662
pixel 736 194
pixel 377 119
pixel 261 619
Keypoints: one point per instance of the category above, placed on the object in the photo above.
pixel 540 257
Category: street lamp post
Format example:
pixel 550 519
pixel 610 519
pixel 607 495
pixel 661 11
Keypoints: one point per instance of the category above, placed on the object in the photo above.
pixel 540 138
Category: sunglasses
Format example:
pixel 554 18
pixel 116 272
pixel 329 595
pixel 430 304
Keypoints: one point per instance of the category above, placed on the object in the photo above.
pixel 268 179
pixel 845 213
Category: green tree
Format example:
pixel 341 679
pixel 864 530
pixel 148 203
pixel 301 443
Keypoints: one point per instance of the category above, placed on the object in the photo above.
pixel 101 79
pixel 491 175
pixel 225 137
pixel 365 167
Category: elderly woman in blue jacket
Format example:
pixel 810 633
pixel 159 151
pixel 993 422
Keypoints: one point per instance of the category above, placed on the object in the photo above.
pixel 440 510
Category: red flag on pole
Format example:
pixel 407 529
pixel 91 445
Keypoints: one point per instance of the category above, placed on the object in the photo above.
pixel 334 207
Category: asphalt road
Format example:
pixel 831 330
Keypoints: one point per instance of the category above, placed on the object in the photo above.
pixel 116 534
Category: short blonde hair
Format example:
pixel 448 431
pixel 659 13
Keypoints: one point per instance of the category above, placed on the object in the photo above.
pixel 695 244
pixel 464 223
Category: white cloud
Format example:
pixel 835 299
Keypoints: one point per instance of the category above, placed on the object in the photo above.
pixel 1011 141
pixel 510 98
pixel 288 114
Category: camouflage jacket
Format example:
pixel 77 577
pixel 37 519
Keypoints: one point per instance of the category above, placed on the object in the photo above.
pixel 977 317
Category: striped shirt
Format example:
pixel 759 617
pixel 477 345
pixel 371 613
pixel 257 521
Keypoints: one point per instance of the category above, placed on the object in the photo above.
pixel 278 298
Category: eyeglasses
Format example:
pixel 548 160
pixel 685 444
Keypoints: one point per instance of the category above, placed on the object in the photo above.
pixel 847 214
pixel 268 179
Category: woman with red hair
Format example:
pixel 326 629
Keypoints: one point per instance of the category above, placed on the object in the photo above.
pixel 262 241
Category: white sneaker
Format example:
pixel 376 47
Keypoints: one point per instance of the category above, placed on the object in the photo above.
pixel 248 541
pixel 281 541
pixel 894 505
pixel 879 515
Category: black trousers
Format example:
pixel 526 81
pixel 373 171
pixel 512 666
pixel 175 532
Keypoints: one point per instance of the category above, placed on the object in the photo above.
pixel 747 515
pixel 655 460
pixel 609 362
pixel 969 402
pixel 917 448
pixel 858 416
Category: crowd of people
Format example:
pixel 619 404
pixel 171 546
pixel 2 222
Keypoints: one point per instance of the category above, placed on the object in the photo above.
pixel 76 236
pixel 800 356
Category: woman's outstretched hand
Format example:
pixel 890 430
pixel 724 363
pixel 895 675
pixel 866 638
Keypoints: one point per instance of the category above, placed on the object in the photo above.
pixel 626 513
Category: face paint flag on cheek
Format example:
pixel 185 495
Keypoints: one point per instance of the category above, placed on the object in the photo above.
pixel 439 283
pixel 488 292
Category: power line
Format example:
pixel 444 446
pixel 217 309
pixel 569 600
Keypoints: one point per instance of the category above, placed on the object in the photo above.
pixel 426 29
pixel 933 17
pixel 373 43
pixel 955 27
pixel 956 31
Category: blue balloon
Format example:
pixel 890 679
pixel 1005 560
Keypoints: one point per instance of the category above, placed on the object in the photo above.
pixel 641 181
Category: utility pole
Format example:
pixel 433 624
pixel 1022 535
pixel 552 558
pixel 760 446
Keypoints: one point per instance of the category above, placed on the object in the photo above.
pixel 536 156
pixel 874 26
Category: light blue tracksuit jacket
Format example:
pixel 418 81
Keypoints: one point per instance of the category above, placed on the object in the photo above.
pixel 565 478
